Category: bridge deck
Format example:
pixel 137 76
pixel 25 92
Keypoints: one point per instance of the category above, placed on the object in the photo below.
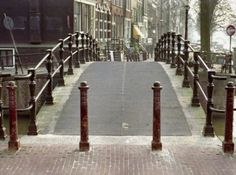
pixel 120 102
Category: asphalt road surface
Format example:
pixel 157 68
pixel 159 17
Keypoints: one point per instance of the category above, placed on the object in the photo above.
pixel 120 101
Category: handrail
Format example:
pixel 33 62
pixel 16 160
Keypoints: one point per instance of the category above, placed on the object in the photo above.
pixel 202 91
pixel 81 47
pixel 202 62
pixel 162 53
pixel 217 110
pixel 55 71
pixel 41 91
pixel 56 47
pixel 23 77
pixel 41 61
pixel 219 77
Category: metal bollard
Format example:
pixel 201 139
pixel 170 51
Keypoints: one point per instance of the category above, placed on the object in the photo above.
pixel 228 144
pixel 84 144
pixel 14 143
pixel 156 142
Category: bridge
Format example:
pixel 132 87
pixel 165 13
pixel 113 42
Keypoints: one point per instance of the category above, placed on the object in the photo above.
pixel 120 112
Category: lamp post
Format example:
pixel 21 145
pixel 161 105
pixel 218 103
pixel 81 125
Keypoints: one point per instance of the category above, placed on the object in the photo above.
pixel 187 7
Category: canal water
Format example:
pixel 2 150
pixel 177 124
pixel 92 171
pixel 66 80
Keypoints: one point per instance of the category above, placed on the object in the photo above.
pixel 22 125
pixel 23 122
pixel 219 126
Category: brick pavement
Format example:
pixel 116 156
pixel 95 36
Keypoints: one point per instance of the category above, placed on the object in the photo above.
pixel 59 155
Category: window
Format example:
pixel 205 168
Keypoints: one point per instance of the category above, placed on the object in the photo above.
pixel 7 57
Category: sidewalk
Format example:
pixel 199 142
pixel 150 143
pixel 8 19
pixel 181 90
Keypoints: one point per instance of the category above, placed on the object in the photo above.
pixel 59 155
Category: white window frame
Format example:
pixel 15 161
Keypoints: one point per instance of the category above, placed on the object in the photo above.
pixel 13 57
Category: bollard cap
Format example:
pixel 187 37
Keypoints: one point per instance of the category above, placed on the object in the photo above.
pixel 84 85
pixel 11 85
pixel 230 85
pixel 156 85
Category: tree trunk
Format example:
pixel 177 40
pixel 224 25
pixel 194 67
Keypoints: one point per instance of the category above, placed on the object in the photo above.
pixel 205 24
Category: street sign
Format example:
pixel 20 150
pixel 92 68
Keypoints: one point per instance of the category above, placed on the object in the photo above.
pixel 8 23
pixel 230 30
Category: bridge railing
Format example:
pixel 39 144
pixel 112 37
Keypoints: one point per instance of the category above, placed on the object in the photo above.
pixel 81 48
pixel 179 53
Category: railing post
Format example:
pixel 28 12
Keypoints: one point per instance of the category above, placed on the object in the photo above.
pixel 164 47
pixel 208 129
pixel 186 57
pixel 230 63
pixel 90 47
pixel 168 48
pixel 14 142
pixel 195 98
pixel 173 51
pixel 82 58
pixel 179 70
pixel 87 47
pixel 61 81
pixel 49 98
pixel 156 141
pixel 3 134
pixel 98 53
pixel 77 64
pixel 228 144
pixel 94 50
pixel 32 128
pixel 84 144
pixel 70 43
pixel 159 50
pixel 156 52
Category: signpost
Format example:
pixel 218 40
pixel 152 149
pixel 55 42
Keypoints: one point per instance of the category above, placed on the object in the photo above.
pixel 9 25
pixel 230 30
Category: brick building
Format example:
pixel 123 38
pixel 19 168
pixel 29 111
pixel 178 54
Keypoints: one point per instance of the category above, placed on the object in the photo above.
pixel 38 24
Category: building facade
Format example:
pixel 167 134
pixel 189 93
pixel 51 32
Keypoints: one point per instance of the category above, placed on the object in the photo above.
pixel 38 24
pixel 140 20
pixel 113 20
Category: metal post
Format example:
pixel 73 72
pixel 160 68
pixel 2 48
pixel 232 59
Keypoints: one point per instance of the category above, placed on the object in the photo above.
pixel 77 64
pixel 159 50
pixel 84 144
pixel 195 98
pixel 32 129
pixel 98 53
pixel 164 46
pixel 49 98
pixel 61 81
pixel 186 57
pixel 87 47
pixel 90 47
pixel 82 57
pixel 168 48
pixel 230 62
pixel 156 52
pixel 179 70
pixel 208 129
pixel 3 134
pixel 173 51
pixel 70 43
pixel 14 142
pixel 156 141
pixel 94 50
pixel 228 144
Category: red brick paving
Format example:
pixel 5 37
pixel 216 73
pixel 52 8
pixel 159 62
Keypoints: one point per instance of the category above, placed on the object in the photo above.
pixel 63 159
